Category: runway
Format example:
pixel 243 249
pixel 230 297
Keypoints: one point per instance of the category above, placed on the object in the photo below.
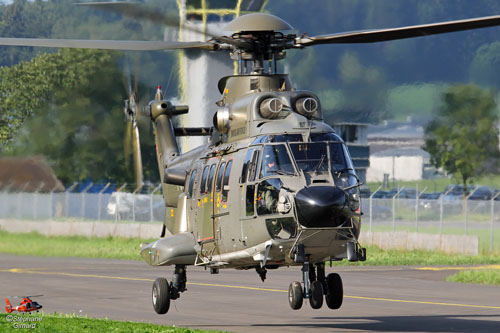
pixel 388 299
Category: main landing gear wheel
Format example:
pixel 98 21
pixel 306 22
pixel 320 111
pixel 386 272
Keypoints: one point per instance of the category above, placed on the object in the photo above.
pixel 316 297
pixel 295 295
pixel 335 291
pixel 161 296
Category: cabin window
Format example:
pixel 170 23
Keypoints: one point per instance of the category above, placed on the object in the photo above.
pixel 225 183
pixel 220 175
pixel 246 164
pixel 203 186
pixel 191 183
pixel 250 165
pixel 211 178
pixel 250 200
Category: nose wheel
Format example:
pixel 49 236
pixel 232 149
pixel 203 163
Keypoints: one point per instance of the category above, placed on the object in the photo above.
pixel 316 288
pixel 163 291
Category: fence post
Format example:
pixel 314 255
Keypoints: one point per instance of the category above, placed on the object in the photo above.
pixel 51 214
pixel 35 200
pixel 466 208
pixel 118 194
pixel 417 198
pixel 19 203
pixel 66 198
pixel 394 208
pixel 492 230
pixel 159 186
pixel 441 209
pixel 99 203
pixel 371 206
pixel 133 202
pixel 83 193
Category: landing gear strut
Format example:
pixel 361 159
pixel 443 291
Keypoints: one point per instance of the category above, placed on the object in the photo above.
pixel 316 285
pixel 163 291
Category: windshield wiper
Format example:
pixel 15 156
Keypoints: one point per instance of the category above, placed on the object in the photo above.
pixel 341 171
pixel 320 163
pixel 283 172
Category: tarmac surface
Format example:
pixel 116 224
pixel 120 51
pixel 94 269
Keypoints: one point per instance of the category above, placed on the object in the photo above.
pixel 376 299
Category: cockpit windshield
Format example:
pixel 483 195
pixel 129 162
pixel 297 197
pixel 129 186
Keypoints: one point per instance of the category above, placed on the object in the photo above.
pixel 317 156
pixel 310 156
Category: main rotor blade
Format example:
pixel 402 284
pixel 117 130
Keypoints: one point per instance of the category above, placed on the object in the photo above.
pixel 372 36
pixel 124 45
pixel 135 10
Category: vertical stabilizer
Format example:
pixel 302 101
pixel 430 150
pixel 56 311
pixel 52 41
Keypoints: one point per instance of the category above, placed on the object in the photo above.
pixel 8 308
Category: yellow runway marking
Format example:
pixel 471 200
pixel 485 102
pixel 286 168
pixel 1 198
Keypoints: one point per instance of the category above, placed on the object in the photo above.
pixel 27 271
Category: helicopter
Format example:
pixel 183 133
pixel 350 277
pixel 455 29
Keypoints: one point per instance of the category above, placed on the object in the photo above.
pixel 26 305
pixel 274 185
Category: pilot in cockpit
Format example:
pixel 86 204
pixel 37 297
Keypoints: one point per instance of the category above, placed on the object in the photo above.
pixel 269 166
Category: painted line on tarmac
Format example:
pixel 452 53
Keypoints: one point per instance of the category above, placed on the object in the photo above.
pixel 27 271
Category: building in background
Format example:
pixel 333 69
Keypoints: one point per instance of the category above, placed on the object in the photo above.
pixel 31 174
pixel 397 154
pixel 200 71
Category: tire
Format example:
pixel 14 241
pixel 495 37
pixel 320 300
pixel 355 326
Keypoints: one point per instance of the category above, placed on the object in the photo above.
pixel 316 299
pixel 295 295
pixel 160 296
pixel 335 291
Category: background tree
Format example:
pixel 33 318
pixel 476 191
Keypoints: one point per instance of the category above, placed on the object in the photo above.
pixel 463 139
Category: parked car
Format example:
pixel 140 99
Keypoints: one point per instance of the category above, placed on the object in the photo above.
pixel 483 193
pixel 407 193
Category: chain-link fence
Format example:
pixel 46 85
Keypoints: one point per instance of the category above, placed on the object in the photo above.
pixel 439 215
pixel 85 203
pixel 436 216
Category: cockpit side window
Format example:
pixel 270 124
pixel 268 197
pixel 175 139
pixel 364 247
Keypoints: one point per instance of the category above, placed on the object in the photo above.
pixel 267 196
pixel 246 165
pixel 275 160
pixel 337 158
pixel 252 167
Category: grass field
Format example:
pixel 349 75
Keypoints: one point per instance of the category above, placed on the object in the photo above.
pixel 483 234
pixel 490 277
pixel 72 323
pixel 438 184
pixel 120 248
pixel 70 246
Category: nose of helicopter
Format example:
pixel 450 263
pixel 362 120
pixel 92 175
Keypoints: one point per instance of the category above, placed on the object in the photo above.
pixel 321 206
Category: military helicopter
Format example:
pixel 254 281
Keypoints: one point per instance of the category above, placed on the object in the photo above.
pixel 275 185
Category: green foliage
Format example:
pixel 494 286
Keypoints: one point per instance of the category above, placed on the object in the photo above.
pixel 79 126
pixel 25 87
pixel 72 323
pixel 419 101
pixel 483 68
pixel 463 139
pixel 490 277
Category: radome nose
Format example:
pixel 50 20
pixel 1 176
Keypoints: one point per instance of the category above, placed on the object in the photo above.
pixel 321 206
